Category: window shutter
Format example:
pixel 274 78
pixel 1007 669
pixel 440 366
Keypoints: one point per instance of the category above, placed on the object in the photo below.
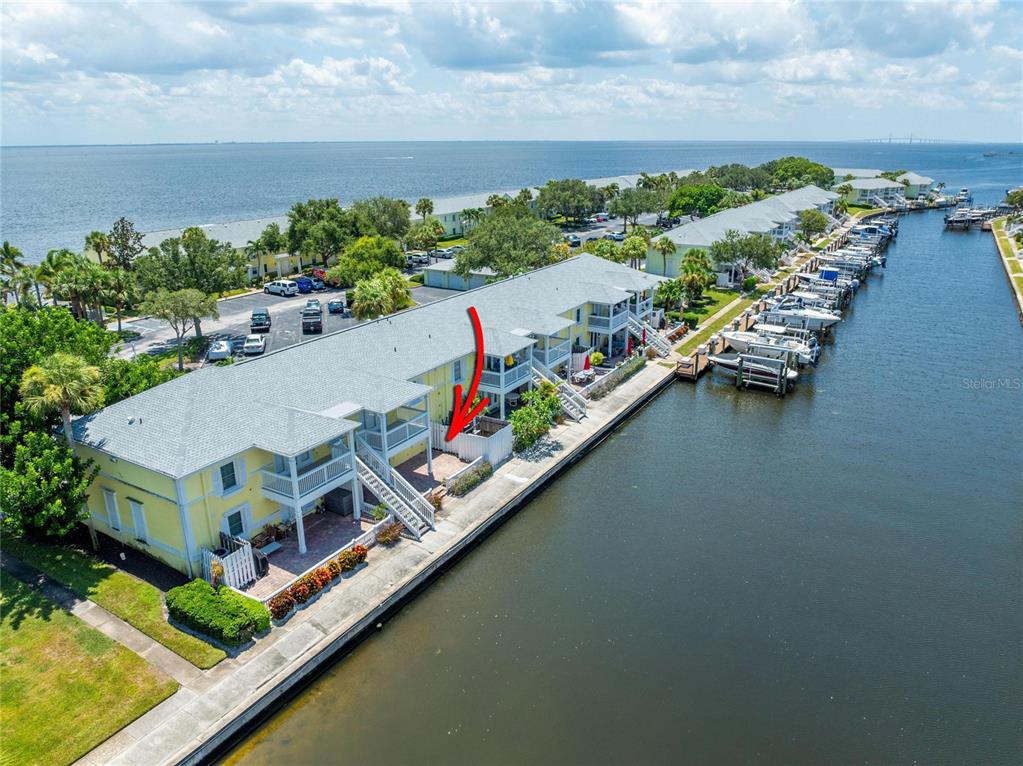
pixel 239 469
pixel 218 485
pixel 112 516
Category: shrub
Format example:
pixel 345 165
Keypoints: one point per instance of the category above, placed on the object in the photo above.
pixel 596 358
pixel 348 560
pixel 312 583
pixel 672 316
pixel 281 604
pixel 300 592
pixel 435 501
pixel 417 278
pixel 528 427
pixel 749 283
pixel 220 613
pixel 651 352
pixel 690 318
pixel 334 568
pixel 471 479
pixel 379 512
pixel 322 577
pixel 361 552
pixel 390 534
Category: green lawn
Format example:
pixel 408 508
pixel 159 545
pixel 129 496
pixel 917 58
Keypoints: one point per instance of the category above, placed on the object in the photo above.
pixel 711 302
pixel 65 686
pixel 136 602
pixel 452 242
pixel 690 345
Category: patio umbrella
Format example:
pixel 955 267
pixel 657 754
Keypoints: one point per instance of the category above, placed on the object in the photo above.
pixel 644 336
pixel 586 362
pixel 628 347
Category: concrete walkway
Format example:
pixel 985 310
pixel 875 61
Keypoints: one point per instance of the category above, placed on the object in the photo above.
pixel 91 613
pixel 220 700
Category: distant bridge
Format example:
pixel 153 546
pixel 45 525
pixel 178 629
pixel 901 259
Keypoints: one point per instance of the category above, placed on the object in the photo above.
pixel 910 139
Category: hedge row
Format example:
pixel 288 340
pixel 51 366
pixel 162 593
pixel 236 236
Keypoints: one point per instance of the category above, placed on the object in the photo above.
pixel 220 613
pixel 471 479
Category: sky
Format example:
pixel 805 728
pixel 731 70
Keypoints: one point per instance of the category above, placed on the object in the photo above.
pixel 147 72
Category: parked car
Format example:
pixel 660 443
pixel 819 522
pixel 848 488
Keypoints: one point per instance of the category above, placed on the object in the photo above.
pixel 318 284
pixel 573 240
pixel 418 256
pixel 304 284
pixel 456 248
pixel 312 319
pixel 260 321
pixel 615 236
pixel 336 306
pixel 281 287
pixel 600 217
pixel 312 303
pixel 254 344
pixel 219 349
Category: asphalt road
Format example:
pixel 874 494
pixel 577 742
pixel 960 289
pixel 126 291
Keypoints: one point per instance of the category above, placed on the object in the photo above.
pixel 233 324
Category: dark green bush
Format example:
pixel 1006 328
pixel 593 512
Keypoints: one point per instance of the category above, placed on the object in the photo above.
pixel 471 479
pixel 220 613
pixel 749 283
pixel 691 318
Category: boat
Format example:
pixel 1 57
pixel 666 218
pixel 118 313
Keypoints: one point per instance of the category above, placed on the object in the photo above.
pixel 758 371
pixel 775 346
pixel 799 316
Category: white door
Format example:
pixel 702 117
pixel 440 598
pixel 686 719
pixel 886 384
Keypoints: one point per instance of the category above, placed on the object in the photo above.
pixel 138 520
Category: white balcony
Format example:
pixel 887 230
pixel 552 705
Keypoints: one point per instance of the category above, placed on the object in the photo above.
pixel 608 324
pixel 642 308
pixel 314 480
pixel 510 379
pixel 554 354
pixel 399 434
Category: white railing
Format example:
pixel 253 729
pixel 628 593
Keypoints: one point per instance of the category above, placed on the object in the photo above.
pixel 396 482
pixel 309 480
pixel 470 447
pixel 573 404
pixel 607 382
pixel 397 434
pixel 646 333
pixel 612 323
pixel 510 378
pixel 642 308
pixel 367 538
pixel 379 487
pixel 462 471
pixel 554 354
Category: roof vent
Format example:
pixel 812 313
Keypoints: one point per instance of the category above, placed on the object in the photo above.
pixel 132 420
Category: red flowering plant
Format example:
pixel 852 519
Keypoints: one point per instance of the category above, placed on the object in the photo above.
pixel 281 604
pixel 299 592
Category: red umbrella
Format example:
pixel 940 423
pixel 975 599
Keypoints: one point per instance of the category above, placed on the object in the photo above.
pixel 644 336
pixel 586 362
pixel 628 347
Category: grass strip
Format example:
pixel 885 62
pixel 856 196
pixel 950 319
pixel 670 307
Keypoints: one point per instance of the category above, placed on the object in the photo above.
pixel 136 602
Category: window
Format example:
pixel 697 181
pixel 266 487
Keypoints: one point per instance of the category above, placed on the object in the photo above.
pixel 578 316
pixel 228 477
pixel 138 520
pixel 110 501
pixel 458 371
pixel 304 459
pixel 235 523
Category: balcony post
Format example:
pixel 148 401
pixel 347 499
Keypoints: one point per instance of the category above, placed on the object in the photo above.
pixel 383 438
pixel 429 438
pixel 293 468
pixel 356 488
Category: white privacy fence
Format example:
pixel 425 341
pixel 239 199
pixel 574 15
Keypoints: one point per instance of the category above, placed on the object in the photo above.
pixel 494 448
pixel 239 567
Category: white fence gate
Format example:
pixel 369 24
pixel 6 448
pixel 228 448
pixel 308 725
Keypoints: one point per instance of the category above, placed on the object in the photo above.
pixel 239 567
pixel 495 449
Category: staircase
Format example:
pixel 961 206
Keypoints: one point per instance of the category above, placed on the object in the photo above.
pixel 400 497
pixel 573 405
pixel 637 328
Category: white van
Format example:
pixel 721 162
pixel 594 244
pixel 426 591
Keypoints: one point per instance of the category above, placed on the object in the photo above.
pixel 281 287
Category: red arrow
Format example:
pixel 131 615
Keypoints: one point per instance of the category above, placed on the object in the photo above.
pixel 463 411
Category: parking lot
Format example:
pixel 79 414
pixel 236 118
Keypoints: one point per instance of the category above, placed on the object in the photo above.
pixel 233 324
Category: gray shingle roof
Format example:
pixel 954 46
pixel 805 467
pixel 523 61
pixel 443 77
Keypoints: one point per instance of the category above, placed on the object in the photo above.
pixel 915 179
pixel 449 265
pixel 756 217
pixel 272 402
pixel 870 183
pixel 841 173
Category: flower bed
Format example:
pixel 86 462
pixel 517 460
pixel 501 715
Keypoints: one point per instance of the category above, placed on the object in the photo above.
pixel 220 613
pixel 312 583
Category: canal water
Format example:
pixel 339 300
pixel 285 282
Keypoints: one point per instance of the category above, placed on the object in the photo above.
pixel 732 578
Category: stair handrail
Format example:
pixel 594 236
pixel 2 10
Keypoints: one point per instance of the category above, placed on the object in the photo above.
pixel 560 383
pixel 637 326
pixel 397 483
pixel 388 497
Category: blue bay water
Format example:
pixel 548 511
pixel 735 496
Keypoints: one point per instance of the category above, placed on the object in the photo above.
pixel 54 196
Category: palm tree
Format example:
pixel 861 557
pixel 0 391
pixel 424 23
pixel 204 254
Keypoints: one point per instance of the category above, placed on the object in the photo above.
pixel 664 247
pixel 55 262
pixel 609 192
pixel 120 291
pixel 64 383
pixel 99 243
pixel 424 207
pixel 371 299
pixel 10 264
pixel 670 294
pixel 22 284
